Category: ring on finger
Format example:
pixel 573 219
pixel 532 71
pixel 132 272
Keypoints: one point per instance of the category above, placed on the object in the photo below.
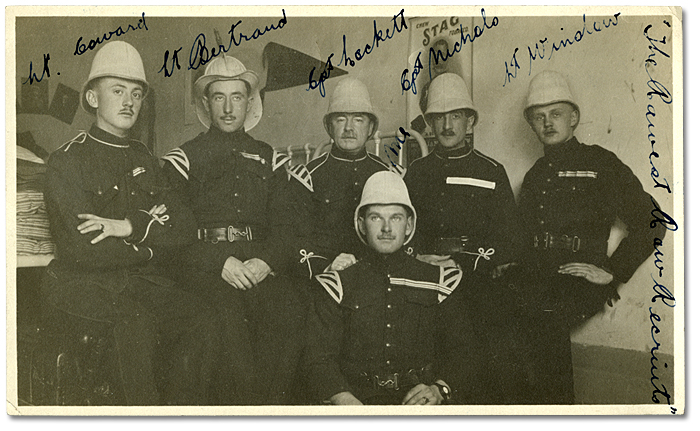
pixel 102 227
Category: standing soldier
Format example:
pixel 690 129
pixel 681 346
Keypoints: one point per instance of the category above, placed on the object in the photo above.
pixel 236 187
pixel 569 202
pixel 115 222
pixel 377 334
pixel 468 216
pixel 335 180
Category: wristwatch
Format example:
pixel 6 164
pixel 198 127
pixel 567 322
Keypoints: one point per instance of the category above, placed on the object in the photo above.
pixel 444 390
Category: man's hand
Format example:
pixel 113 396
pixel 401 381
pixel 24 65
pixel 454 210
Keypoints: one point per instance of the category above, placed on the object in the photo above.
pixel 345 399
pixel 437 260
pixel 238 275
pixel 590 272
pixel 107 227
pixel 259 268
pixel 423 395
pixel 343 261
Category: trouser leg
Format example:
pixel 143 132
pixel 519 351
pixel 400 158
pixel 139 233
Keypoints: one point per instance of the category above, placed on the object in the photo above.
pixel 278 320
pixel 236 378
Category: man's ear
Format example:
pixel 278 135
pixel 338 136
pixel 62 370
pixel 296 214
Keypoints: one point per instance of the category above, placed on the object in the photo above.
pixel 91 97
pixel 250 104
pixel 409 226
pixel 470 123
pixel 205 102
pixel 574 118
pixel 361 225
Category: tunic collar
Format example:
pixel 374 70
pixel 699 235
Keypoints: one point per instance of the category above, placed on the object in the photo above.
pixel 106 138
pixel 454 153
pixel 562 150
pixel 344 156
pixel 237 139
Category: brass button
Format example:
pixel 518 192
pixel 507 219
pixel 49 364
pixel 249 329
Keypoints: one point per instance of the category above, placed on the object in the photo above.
pixel 388 306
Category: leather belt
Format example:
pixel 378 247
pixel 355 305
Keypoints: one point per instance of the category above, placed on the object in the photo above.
pixel 561 242
pixel 229 234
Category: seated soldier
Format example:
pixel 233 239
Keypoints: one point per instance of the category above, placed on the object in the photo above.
pixel 375 336
pixel 114 222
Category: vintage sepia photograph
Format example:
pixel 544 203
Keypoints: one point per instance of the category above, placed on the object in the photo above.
pixel 400 210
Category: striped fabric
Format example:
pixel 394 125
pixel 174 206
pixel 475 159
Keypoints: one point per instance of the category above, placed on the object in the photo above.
pixel 578 174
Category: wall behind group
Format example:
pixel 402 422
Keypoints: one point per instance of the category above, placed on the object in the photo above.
pixel 604 69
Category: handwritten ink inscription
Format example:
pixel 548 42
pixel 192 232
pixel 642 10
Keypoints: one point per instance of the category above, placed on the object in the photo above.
pixel 657 91
pixel 45 73
pixel 81 48
pixel 542 46
pixel 201 54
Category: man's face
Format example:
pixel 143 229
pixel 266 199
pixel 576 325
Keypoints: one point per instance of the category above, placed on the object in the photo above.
pixel 351 130
pixel 386 227
pixel 441 65
pixel 553 124
pixel 117 102
pixel 227 104
pixel 451 127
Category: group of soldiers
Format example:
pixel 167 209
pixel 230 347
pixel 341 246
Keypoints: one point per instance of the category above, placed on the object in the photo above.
pixel 229 277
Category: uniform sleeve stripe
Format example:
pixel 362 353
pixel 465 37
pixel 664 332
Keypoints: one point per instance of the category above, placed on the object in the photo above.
pixel 303 175
pixel 176 163
pixel 180 155
pixel 331 282
pixel 279 159
pixel 450 277
pixel 421 285
pixel 464 181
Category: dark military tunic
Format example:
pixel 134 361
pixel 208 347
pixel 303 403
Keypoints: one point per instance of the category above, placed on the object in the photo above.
pixel 569 202
pixel 461 193
pixel 231 179
pixel 378 317
pixel 116 281
pixel 334 184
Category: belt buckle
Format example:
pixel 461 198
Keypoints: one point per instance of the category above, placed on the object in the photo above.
pixel 389 383
pixel 232 233
pixel 575 244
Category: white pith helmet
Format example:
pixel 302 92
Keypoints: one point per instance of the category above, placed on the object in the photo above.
pixel 228 68
pixel 350 96
pixel 116 59
pixel 546 88
pixel 385 188
pixel 448 92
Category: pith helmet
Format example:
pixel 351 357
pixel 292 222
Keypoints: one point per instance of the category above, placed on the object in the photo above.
pixel 384 188
pixel 116 59
pixel 548 87
pixel 350 95
pixel 448 92
pixel 228 68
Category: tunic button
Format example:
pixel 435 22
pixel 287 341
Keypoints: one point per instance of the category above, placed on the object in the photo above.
pixel 541 207
pixel 328 201
pixel 388 325
pixel 355 169
pixel 442 194
pixel 356 183
pixel 541 221
pixel 573 188
pixel 544 192
pixel 388 289
pixel 549 164
pixel 238 177
pixel 388 362
pixel 388 306
pixel 235 194
pixel 356 307
pixel 549 180
pixel 238 211
pixel 471 195
pixel 133 192
pixel 388 344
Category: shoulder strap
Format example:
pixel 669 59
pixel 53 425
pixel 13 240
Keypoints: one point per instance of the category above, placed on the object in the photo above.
pixel 80 138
